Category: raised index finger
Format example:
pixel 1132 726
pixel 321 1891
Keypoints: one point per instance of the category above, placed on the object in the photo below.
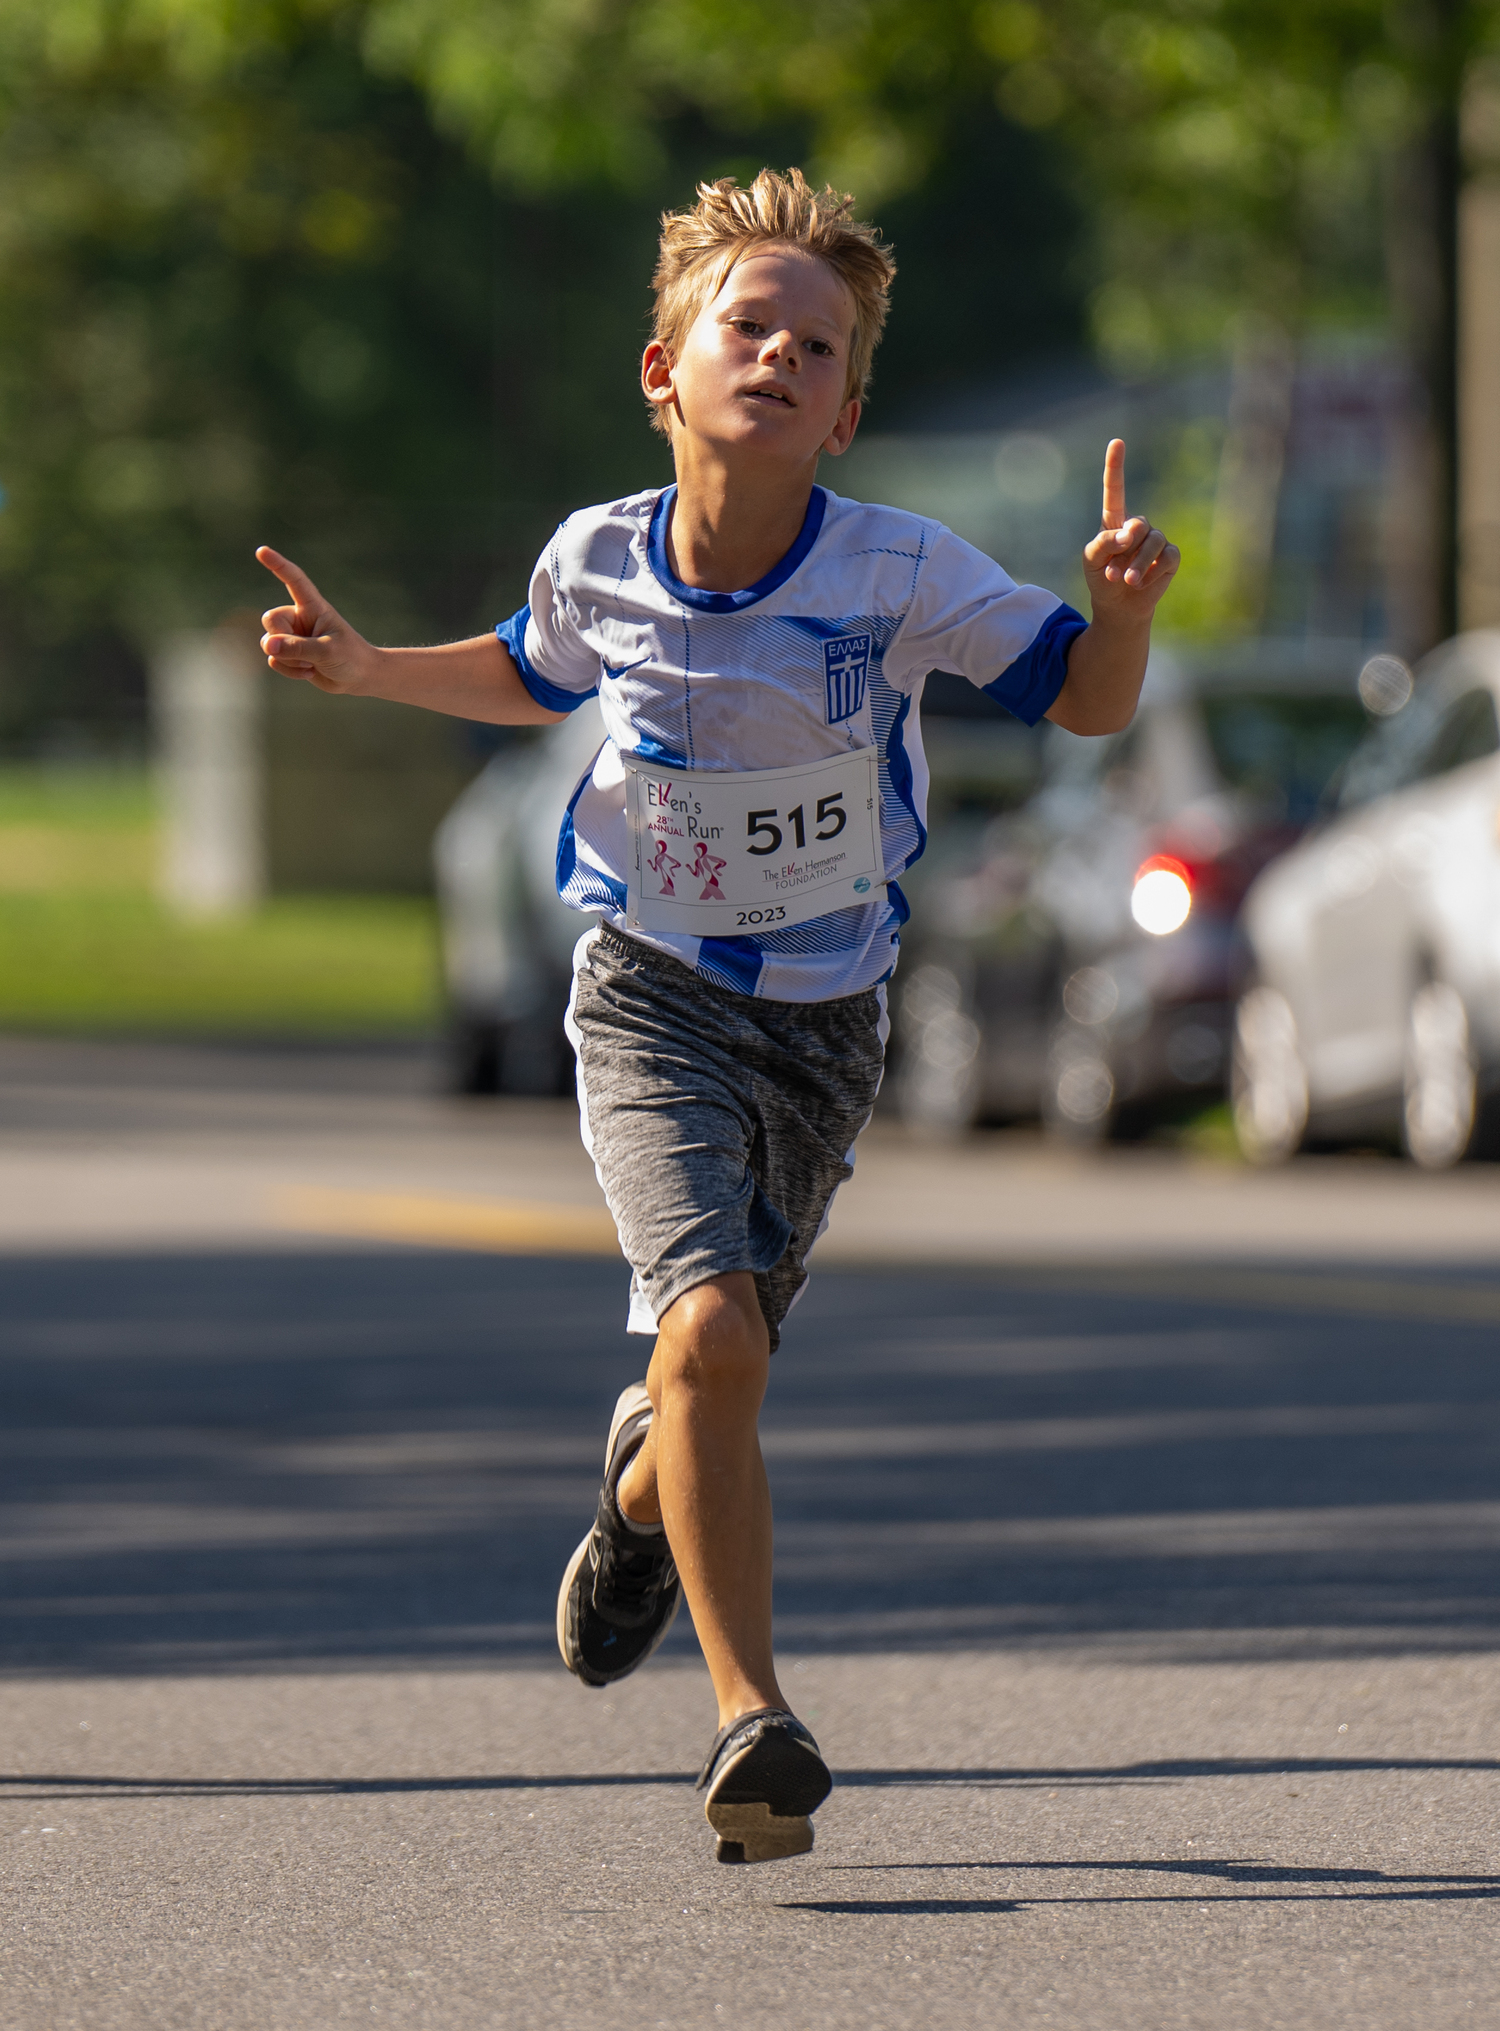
pixel 308 601
pixel 1114 485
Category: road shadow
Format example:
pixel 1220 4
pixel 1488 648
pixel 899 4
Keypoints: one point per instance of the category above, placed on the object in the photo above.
pixel 94 1784
pixel 305 1459
pixel 965 1907
pixel 1219 1870
pixel 1235 1880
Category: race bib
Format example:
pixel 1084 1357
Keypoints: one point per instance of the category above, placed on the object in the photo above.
pixel 718 855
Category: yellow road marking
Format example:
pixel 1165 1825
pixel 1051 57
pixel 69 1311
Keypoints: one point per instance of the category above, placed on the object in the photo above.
pixel 495 1226
pixel 530 1227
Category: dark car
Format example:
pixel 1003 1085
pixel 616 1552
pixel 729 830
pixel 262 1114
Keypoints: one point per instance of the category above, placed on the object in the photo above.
pixel 1080 958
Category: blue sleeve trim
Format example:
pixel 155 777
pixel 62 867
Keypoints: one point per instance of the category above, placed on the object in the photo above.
pixel 512 634
pixel 1029 686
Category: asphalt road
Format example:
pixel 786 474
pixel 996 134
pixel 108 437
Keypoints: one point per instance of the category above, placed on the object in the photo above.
pixel 1146 1606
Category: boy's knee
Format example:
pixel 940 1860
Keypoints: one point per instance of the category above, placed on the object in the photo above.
pixel 714 1338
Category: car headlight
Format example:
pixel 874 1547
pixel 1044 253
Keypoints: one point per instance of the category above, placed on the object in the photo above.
pixel 1162 896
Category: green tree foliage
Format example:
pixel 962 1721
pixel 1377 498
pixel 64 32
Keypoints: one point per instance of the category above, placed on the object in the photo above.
pixel 367 277
pixel 1231 155
pixel 1224 147
pixel 248 293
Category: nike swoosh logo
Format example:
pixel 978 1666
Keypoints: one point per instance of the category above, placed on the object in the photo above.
pixel 625 668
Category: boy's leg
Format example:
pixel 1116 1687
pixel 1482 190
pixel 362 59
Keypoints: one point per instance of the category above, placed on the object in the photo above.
pixel 700 1472
pixel 719 1128
pixel 700 1468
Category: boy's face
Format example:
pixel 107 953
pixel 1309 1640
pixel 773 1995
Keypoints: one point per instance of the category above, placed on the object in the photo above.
pixel 764 367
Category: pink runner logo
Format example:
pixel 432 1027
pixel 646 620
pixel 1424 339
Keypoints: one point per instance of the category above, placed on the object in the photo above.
pixel 707 869
pixel 664 867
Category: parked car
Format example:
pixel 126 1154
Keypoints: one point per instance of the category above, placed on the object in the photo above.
pixel 1082 960
pixel 1374 1004
pixel 508 942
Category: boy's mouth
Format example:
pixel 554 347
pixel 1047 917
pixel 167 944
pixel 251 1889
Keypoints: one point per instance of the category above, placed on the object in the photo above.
pixel 769 395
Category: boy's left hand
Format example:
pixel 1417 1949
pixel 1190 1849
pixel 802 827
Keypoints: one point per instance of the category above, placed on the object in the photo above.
pixel 1129 565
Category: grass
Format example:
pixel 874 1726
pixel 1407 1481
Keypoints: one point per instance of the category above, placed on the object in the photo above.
pixel 75 829
pixel 86 946
pixel 1211 1133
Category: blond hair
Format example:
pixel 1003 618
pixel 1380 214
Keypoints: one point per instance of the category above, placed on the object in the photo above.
pixel 700 248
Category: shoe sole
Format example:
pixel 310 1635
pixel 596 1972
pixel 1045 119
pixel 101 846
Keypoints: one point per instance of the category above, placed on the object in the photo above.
pixel 753 1833
pixel 785 1784
pixel 631 1401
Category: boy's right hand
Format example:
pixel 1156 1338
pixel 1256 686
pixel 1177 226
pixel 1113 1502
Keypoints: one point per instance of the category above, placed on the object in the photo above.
pixel 309 638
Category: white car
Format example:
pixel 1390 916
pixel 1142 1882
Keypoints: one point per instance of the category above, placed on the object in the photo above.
pixel 1374 1002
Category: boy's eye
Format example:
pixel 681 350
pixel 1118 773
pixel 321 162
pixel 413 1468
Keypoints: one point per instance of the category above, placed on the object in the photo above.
pixel 820 346
pixel 748 326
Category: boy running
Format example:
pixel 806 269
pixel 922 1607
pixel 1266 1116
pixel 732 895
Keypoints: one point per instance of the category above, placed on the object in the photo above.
pixel 758 647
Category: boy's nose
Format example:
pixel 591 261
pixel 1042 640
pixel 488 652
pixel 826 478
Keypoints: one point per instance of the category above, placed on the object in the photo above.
pixel 780 345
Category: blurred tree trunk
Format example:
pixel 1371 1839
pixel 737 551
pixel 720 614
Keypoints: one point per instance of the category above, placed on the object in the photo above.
pixel 1243 539
pixel 1479 352
pixel 1422 266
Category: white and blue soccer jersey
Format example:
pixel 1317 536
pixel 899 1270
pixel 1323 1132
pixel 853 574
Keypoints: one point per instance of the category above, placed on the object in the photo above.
pixel 828 652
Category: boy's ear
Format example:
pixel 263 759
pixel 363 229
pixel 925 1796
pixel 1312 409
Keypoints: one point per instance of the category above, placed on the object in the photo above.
pixel 842 434
pixel 656 375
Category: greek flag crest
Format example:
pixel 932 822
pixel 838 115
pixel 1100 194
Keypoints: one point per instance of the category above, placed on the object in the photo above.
pixel 846 666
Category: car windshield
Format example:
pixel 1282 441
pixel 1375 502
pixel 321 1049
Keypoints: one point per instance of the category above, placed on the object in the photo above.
pixel 1436 732
pixel 1281 750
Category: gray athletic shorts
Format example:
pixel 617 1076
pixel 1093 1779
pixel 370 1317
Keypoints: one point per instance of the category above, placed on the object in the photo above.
pixel 720 1125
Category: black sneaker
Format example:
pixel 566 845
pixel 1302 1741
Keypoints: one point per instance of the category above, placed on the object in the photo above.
pixel 763 1776
pixel 621 1591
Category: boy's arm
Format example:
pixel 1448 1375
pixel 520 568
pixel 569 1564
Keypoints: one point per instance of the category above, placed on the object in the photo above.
pixel 311 640
pixel 1129 565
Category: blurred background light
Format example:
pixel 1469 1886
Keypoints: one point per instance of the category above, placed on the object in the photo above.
pixel 1029 467
pixel 1385 685
pixel 1162 897
pixel 1091 995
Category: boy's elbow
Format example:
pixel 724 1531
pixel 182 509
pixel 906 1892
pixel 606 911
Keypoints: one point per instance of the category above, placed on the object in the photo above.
pixel 1092 718
pixel 1113 721
pixel 1102 687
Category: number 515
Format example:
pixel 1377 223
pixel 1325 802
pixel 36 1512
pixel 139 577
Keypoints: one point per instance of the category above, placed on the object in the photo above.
pixel 830 813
